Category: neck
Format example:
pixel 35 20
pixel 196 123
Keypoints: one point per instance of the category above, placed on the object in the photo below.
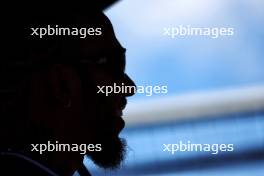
pixel 63 163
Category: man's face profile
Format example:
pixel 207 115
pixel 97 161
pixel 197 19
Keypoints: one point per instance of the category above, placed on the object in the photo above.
pixel 101 114
pixel 94 117
pixel 64 103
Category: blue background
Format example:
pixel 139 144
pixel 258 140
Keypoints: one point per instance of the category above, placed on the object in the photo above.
pixel 192 64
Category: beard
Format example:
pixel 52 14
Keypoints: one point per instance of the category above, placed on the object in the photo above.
pixel 112 154
pixel 99 114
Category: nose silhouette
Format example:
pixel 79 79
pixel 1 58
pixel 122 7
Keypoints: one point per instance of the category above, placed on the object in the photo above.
pixel 129 82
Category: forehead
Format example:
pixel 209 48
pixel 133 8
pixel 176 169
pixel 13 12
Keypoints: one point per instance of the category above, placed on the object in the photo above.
pixel 105 42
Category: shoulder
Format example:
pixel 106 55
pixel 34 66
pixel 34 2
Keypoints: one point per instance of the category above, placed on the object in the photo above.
pixel 15 164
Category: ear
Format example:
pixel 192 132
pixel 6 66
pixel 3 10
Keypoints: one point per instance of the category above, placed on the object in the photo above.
pixel 65 84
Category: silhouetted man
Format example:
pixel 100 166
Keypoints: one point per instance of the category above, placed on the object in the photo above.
pixel 49 93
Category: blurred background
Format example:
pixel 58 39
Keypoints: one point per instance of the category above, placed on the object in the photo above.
pixel 215 87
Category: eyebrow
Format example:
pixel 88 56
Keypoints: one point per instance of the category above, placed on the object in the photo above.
pixel 86 60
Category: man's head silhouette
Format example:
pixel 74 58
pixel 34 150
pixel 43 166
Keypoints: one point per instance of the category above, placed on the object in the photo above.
pixel 49 91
